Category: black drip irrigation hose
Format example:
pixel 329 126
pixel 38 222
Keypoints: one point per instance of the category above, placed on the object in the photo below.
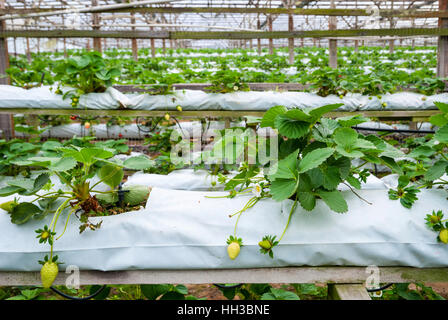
pixel 151 128
pixel 121 193
pixel 393 130
pixel 223 286
pixel 93 295
pixel 179 126
pixel 380 288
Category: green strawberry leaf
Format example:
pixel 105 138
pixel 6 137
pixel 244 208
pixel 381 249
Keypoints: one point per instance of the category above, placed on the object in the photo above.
pixel 287 167
pixel 23 212
pixel 436 171
pixel 270 115
pixel 319 112
pixel 442 134
pixel 334 200
pixel 111 175
pixel 345 137
pixel 314 159
pixel 282 189
pixel 290 128
pixel 138 163
pixel 64 164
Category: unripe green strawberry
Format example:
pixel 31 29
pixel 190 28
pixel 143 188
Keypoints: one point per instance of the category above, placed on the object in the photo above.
pixel 48 273
pixel 265 244
pixel 443 235
pixel 7 206
pixel 435 219
pixel 233 250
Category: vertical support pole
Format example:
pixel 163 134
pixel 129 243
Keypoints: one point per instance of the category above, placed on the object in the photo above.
pixel 258 40
pixel 333 44
pixel 271 41
pixel 64 40
pixel 291 40
pixel 356 27
pixel 153 45
pixel 6 120
pixel 164 46
pixel 96 26
pixel 28 50
pixel 134 41
pixel 442 52
pixel 413 39
pixel 391 41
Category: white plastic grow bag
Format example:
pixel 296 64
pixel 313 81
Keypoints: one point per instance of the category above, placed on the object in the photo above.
pixel 186 230
pixel 44 98
pixel 184 179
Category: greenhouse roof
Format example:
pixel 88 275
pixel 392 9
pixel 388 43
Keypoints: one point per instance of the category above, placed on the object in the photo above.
pixel 208 21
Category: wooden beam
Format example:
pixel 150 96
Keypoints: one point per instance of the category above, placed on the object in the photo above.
pixel 381 115
pixel 403 32
pixel 134 41
pixel 96 26
pixel 338 275
pixel 442 52
pixel 153 45
pixel 333 43
pixel 253 86
pixel 271 41
pixel 291 39
pixel 347 292
pixel 6 120
pixel 275 11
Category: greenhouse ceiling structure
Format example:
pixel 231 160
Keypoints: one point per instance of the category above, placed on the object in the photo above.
pixel 225 15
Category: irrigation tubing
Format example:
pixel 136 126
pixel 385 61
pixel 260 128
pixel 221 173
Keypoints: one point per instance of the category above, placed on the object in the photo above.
pixel 223 286
pixel 380 288
pixel 93 295
pixel 393 130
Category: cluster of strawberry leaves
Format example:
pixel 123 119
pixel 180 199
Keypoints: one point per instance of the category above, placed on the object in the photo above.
pixel 85 74
pixel 315 157
pixel 75 167
pixel 425 166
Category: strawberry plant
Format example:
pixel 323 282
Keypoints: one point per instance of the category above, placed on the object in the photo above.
pixel 75 167
pixel 85 74
pixel 316 156
pixel 225 81
pixel 427 170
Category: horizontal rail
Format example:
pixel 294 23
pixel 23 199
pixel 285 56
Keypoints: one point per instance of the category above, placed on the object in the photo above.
pixel 254 86
pixel 258 275
pixel 299 11
pixel 128 34
pixel 382 115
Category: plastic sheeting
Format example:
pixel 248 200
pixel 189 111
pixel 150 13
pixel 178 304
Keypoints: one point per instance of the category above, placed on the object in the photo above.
pixel 101 131
pixel 43 97
pixel 187 230
pixel 185 179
